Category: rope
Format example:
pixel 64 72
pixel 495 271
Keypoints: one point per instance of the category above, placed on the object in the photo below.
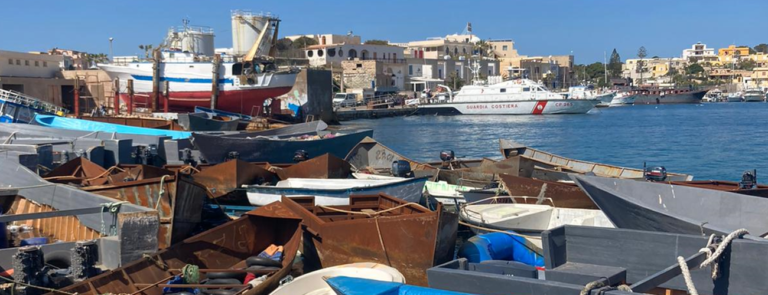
pixel 36 287
pixel 186 169
pixel 105 173
pixel 113 208
pixel 713 257
pixel 159 264
pixel 12 135
pixel 625 288
pixel 687 276
pixel 162 191
pixel 191 274
pixel 592 285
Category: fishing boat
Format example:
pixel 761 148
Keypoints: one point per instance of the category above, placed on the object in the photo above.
pixel 243 120
pixel 186 61
pixel 145 122
pixel 512 97
pixel 277 148
pixel 754 95
pixel 329 192
pixel 207 122
pixel 668 96
pixel 16 107
pixel 314 283
pixel 222 258
pixel 668 208
pixel 506 214
pixel 175 196
pixel 589 92
pixel 536 191
pixel 91 126
pixel 345 285
pixel 373 157
pixel 747 186
pixel 379 228
pixel 623 99
pixel 36 131
pixel 594 260
pixel 555 168
pixel 734 97
pixel 714 95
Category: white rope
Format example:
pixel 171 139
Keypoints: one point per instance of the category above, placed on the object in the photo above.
pixel 687 276
pixel 592 285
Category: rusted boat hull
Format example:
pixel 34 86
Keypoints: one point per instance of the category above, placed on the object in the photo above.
pixel 373 157
pixel 223 247
pixel 410 238
pixel 727 186
pixel 223 180
pixel 326 166
pixel 563 195
pixel 137 122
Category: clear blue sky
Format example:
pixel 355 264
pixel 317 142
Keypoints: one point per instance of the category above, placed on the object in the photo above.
pixel 586 27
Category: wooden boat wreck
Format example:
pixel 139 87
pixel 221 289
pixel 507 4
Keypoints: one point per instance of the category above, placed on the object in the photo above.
pixel 177 198
pixel 224 180
pixel 675 209
pixel 207 122
pixel 592 260
pixel 59 215
pixel 276 149
pixel 553 167
pixel 92 126
pixel 563 195
pixel 227 251
pixel 329 192
pixel 386 230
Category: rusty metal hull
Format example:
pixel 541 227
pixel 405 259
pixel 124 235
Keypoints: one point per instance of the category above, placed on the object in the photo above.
pixel 727 186
pixel 223 180
pixel 564 195
pixel 325 166
pixel 223 247
pixel 374 157
pixel 410 239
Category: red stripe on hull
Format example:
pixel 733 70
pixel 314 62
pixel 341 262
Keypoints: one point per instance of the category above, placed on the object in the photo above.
pixel 238 101
pixel 538 109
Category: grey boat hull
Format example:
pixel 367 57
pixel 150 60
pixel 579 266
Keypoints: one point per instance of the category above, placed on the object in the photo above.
pixel 669 208
pixel 690 97
pixel 203 122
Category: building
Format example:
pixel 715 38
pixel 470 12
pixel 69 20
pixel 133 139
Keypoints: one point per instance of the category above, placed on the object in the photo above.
pixel 331 55
pixel 760 59
pixel 373 77
pixel 653 68
pixel 37 75
pixel 327 39
pixel 732 53
pixel 438 48
pixel 75 60
pixel 424 74
pixel 760 78
pixel 700 53
pixel 503 49
pixel 555 69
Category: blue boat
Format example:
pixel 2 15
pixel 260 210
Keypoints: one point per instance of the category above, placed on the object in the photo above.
pixel 357 286
pixel 85 125
pixel 336 192
pixel 16 107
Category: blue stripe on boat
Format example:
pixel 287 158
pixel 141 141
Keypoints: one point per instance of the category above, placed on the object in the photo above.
pixel 182 80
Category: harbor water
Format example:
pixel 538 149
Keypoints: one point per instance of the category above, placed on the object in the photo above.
pixel 711 141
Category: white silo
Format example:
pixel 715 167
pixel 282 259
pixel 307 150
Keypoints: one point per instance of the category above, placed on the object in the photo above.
pixel 246 28
pixel 198 40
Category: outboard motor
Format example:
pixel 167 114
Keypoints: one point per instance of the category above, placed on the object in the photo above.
pixel 658 173
pixel 401 168
pixel 748 180
pixel 186 157
pixel 447 156
pixel 232 156
pixel 300 156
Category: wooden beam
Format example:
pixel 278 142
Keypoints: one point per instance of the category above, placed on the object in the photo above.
pixel 661 277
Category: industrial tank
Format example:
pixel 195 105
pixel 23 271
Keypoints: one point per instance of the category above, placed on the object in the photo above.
pixel 246 27
pixel 198 40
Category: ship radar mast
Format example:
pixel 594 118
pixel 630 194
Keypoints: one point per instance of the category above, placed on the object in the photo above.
pixel 475 69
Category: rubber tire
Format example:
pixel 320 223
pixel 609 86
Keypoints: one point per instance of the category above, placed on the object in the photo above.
pixel 224 282
pixel 225 275
pixel 255 260
pixel 260 267
pixel 60 259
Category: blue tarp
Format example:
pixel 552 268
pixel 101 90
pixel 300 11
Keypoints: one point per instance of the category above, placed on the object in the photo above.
pixel 499 246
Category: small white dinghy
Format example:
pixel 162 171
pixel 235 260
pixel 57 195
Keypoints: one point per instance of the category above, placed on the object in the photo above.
pixel 314 283
pixel 502 213
pixel 330 192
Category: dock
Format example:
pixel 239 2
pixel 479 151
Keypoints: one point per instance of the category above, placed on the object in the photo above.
pixel 363 112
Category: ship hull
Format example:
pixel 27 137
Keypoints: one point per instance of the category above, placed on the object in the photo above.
pixel 528 107
pixel 682 98
pixel 623 101
pixel 190 86
pixel 753 98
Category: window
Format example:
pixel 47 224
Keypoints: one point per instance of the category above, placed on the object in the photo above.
pixel 37 63
pixel 26 63
pixel 18 62
pixel 320 53
pixel 310 53
pixel 502 90
pixel 439 73
pixel 504 48
pixel 359 66
pixel 10 61
pixel 341 52
pixel 526 89
pixel 45 64
pixel 332 52
pixel 410 70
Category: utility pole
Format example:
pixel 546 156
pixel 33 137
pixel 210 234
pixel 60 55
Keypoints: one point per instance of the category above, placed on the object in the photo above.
pixel 605 69
pixel 215 81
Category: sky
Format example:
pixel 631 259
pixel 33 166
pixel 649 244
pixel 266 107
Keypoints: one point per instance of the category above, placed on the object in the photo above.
pixel 586 28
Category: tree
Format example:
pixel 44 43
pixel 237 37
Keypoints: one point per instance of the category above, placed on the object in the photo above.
pixel 283 44
pixel 304 42
pixel 694 69
pixel 641 54
pixel 147 50
pixel 481 47
pixel 614 65
pixel 376 42
pixel 762 47
pixel 747 64
pixel 672 72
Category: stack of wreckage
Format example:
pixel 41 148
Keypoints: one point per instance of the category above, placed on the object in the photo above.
pixel 90 208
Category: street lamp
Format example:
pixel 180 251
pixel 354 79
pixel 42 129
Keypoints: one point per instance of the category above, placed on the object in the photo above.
pixel 111 59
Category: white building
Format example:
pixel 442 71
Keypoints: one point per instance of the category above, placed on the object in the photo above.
pixel 327 39
pixel 334 54
pixel 699 52
pixel 29 65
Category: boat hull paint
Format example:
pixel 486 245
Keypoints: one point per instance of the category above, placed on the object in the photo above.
pixel 623 101
pixel 93 126
pixel 526 107
pixel 409 190
pixel 690 97
pixel 201 122
pixel 662 207
pixel 216 149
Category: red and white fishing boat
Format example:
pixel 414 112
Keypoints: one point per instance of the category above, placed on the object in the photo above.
pixel 186 63
pixel 512 97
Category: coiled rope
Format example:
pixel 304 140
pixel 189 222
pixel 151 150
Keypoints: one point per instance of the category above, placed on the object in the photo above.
pixel 712 258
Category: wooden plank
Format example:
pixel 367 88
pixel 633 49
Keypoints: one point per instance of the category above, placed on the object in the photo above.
pixel 667 274
pixel 37 214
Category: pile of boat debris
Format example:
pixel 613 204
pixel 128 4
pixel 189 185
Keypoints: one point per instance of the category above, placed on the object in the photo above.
pixel 93 207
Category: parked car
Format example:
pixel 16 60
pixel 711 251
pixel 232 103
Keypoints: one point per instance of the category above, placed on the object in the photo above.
pixel 344 100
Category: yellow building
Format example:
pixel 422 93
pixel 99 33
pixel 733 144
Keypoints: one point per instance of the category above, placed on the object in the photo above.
pixel 727 55
pixel 760 77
